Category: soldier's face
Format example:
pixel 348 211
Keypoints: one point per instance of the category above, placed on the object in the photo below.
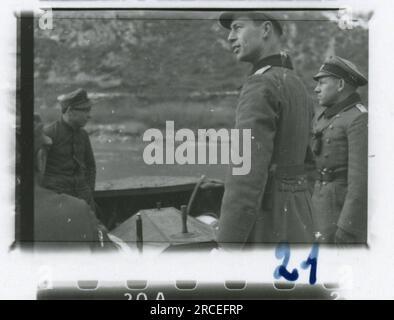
pixel 79 118
pixel 327 90
pixel 246 40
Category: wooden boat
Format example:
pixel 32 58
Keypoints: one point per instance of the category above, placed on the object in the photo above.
pixel 175 213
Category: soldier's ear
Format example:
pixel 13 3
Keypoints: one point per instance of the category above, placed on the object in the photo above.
pixel 267 28
pixel 341 85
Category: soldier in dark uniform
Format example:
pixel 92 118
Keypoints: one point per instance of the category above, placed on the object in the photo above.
pixel 71 167
pixel 272 203
pixel 340 145
pixel 60 219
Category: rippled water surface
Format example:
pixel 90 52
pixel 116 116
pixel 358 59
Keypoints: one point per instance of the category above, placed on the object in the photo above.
pixel 121 158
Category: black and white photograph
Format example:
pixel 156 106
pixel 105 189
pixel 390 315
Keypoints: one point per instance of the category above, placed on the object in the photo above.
pixel 230 133
pixel 200 129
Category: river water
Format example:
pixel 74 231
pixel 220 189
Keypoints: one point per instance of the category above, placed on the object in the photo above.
pixel 122 158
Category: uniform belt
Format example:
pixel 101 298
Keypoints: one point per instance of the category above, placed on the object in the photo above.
pixel 328 175
pixel 285 179
pixel 298 185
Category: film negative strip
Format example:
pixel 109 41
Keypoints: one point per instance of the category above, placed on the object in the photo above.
pixel 204 143
pixel 188 290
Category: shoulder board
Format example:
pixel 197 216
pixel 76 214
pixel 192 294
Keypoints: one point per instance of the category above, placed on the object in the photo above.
pixel 360 107
pixel 262 70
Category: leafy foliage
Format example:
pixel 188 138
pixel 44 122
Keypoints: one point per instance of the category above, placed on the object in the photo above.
pixel 172 56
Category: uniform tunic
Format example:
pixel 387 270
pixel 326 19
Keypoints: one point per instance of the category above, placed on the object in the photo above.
pixel 70 167
pixel 272 203
pixel 343 153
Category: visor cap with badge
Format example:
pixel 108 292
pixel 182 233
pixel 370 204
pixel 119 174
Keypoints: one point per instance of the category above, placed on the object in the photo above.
pixel 341 68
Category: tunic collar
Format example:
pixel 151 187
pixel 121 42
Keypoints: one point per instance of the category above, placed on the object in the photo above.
pixel 350 101
pixel 276 60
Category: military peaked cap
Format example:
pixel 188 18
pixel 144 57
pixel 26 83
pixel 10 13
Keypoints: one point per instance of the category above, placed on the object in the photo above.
pixel 341 68
pixel 77 100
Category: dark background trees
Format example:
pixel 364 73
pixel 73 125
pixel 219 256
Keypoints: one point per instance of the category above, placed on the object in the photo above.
pixel 136 59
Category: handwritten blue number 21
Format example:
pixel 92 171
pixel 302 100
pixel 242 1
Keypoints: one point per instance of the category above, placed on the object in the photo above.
pixel 283 252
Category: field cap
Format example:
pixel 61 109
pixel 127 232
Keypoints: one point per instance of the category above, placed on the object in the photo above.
pixel 227 17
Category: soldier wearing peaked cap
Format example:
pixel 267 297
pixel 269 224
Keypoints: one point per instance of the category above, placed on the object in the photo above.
pixel 61 220
pixel 340 146
pixel 71 166
pixel 226 18
pixel 271 203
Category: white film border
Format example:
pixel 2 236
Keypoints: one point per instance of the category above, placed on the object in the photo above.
pixel 343 273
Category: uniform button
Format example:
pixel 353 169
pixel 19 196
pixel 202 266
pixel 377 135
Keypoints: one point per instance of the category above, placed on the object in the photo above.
pixel 337 116
pixel 328 140
pixel 324 183
pixel 331 126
